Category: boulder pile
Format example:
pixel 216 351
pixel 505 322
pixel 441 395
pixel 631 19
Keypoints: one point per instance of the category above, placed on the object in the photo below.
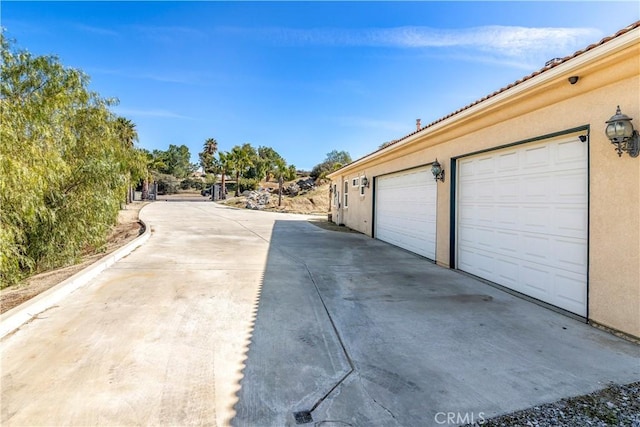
pixel 306 184
pixel 296 188
pixel 257 200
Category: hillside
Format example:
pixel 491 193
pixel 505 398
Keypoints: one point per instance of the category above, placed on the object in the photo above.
pixel 314 201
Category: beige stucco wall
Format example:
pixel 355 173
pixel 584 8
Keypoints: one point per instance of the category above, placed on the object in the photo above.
pixel 552 105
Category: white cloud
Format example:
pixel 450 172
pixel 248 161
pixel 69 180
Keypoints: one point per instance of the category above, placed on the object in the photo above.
pixel 504 43
pixel 179 77
pixel 167 33
pixel 504 38
pixel 96 30
pixel 150 113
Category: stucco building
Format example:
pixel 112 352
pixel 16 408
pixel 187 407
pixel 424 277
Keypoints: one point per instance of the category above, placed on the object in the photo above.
pixel 534 196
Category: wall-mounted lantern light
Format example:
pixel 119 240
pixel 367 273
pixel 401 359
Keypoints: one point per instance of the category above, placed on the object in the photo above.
pixel 437 171
pixel 365 182
pixel 621 134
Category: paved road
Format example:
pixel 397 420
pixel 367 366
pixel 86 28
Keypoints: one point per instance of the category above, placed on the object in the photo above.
pixel 233 317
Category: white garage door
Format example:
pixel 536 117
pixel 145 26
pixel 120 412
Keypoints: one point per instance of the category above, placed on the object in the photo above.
pixel 405 213
pixel 522 220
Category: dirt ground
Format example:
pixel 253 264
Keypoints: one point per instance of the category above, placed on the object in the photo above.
pixel 310 202
pixel 128 228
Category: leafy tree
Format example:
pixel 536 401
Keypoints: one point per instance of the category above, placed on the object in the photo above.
pixel 336 156
pixel 256 170
pixel 166 184
pixel 292 173
pixel 157 161
pixel 268 159
pixel 64 161
pixel 334 160
pixel 385 144
pixel 178 161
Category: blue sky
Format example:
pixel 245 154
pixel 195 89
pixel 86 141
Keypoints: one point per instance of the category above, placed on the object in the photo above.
pixel 303 77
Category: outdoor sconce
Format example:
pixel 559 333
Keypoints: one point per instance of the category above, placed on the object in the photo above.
pixel 365 182
pixel 437 171
pixel 621 134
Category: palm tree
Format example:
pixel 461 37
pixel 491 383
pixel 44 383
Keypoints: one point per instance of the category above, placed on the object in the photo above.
pixel 211 146
pixel 127 134
pixel 281 170
pixel 207 155
pixel 223 166
pixel 239 161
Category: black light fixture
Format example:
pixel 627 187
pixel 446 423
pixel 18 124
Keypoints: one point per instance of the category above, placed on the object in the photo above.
pixel 437 171
pixel 621 134
pixel 365 182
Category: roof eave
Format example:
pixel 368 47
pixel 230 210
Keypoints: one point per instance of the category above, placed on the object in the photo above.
pixel 522 86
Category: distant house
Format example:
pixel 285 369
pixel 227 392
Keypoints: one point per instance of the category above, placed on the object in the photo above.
pixel 533 196
pixel 197 175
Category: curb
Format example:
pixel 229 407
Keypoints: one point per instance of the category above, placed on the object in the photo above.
pixel 13 319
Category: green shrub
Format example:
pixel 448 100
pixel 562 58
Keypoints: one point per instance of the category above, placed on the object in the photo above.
pixel 249 184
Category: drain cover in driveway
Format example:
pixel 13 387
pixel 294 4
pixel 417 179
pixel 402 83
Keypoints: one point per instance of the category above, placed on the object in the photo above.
pixel 302 417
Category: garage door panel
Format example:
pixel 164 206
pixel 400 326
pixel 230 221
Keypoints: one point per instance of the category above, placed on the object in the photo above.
pixel 468 170
pixel 536 279
pixel 573 189
pixel 466 237
pixel 570 255
pixel 405 213
pixel 508 242
pixel 570 288
pixel 405 226
pixel 507 216
pixel 537 188
pixel 484 191
pixel 568 152
pixel 536 157
pixel 509 190
pixel 508 162
pixel 485 238
pixel 484 215
pixel 523 224
pixel 484 263
pixel 570 222
pixel 535 219
pixel 507 271
pixel 486 166
pixel 536 247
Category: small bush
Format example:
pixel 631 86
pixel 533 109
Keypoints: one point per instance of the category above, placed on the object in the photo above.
pixel 167 184
pixel 248 184
pixel 188 183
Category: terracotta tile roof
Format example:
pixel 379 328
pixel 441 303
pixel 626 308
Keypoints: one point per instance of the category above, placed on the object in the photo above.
pixel 549 65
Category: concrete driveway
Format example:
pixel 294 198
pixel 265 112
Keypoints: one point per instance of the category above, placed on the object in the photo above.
pixel 233 317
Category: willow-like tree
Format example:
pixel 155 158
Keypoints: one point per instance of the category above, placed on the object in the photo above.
pixel 63 165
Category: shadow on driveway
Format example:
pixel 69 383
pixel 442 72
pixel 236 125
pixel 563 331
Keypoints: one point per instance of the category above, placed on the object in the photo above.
pixel 353 331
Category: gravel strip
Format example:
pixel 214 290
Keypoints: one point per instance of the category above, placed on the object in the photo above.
pixel 616 405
